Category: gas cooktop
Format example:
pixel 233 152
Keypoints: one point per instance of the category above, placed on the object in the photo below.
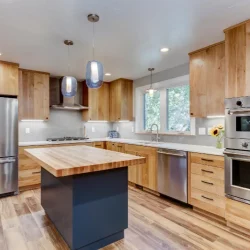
pixel 68 138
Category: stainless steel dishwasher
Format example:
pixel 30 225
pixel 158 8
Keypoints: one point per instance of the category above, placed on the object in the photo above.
pixel 172 173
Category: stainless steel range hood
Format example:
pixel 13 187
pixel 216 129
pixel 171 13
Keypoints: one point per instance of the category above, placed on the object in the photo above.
pixel 58 101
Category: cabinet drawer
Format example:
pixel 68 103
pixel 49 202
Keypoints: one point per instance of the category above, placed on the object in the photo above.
pixel 208 184
pixel 99 144
pixel 208 171
pixel 207 201
pixel 29 177
pixel 205 159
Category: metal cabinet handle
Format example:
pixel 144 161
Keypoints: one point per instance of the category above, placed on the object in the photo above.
pixel 207 198
pixel 238 111
pixel 180 155
pixel 38 172
pixel 2 161
pixel 119 146
pixel 207 171
pixel 203 159
pixel 209 183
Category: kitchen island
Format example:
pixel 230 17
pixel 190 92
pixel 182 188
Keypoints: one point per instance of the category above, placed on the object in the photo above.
pixel 84 192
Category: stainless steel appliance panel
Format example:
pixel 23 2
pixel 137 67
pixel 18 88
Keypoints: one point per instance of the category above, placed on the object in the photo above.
pixel 237 174
pixel 172 174
pixel 8 175
pixel 9 127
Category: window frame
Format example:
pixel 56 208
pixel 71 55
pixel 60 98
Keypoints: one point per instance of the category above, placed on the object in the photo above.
pixel 162 87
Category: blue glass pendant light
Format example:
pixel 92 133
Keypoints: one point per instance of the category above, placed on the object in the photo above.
pixel 94 69
pixel 69 83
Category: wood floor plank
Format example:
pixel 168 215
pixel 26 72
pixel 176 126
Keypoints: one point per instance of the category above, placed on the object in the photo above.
pixel 154 223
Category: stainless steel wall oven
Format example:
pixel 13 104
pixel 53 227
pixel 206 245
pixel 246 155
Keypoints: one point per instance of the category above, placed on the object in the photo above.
pixel 237 153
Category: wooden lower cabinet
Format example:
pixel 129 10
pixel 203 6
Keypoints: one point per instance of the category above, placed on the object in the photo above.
pixel 115 146
pixel 237 214
pixel 30 172
pixel 206 183
pixel 145 174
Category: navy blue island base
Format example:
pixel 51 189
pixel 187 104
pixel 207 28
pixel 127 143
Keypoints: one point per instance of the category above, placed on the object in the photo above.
pixel 89 210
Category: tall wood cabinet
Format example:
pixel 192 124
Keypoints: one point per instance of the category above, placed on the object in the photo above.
pixel 33 95
pixel 207 81
pixel 121 100
pixel 237 56
pixel 8 78
pixel 98 102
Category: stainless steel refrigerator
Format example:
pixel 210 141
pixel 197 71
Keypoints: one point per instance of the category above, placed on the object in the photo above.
pixel 8 145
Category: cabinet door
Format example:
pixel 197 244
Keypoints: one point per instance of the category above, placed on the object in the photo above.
pixel 132 170
pixel 98 103
pixel 148 171
pixel 111 146
pixel 115 104
pixel 237 61
pixel 198 89
pixel 126 100
pixel 121 100
pixel 215 80
pixel 207 81
pixel 8 78
pixel 33 95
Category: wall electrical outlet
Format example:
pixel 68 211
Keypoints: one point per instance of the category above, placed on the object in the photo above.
pixel 27 130
pixel 202 131
pixel 93 129
pixel 132 129
pixel 208 131
pixel 117 129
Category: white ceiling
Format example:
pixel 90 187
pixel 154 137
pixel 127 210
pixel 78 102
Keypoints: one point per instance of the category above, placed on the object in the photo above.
pixel 128 37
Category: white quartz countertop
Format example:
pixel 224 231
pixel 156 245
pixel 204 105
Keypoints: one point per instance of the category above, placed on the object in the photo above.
pixel 167 145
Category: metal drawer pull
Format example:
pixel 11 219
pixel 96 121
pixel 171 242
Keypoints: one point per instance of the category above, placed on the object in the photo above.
pixel 207 160
pixel 207 198
pixel 38 172
pixel 119 146
pixel 7 161
pixel 209 183
pixel 207 171
pixel 180 155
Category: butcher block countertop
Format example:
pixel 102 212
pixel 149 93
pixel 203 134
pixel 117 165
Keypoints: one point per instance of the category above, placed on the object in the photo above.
pixel 72 160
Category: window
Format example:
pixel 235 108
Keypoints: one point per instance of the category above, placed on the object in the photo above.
pixel 178 118
pixel 151 110
pixel 168 107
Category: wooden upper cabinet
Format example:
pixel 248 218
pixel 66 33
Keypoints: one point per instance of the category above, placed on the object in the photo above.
pixel 33 95
pixel 8 78
pixel 237 56
pixel 121 100
pixel 98 102
pixel 207 81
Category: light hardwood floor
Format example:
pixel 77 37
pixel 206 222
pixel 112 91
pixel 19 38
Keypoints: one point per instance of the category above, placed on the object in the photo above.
pixel 154 223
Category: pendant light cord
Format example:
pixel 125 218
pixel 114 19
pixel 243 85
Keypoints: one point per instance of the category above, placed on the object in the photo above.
pixel 151 80
pixel 93 42
pixel 68 61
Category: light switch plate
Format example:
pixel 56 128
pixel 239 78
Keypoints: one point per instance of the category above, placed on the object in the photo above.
pixel 27 130
pixel 202 131
pixel 132 129
pixel 117 129
pixel 93 129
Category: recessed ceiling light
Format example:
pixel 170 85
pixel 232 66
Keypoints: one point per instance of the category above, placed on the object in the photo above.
pixel 0 54
pixel 164 49
pixel 107 74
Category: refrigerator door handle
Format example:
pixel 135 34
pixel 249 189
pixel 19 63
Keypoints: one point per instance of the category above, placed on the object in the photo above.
pixel 9 160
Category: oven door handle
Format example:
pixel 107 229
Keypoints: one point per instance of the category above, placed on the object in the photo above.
pixel 240 159
pixel 238 111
